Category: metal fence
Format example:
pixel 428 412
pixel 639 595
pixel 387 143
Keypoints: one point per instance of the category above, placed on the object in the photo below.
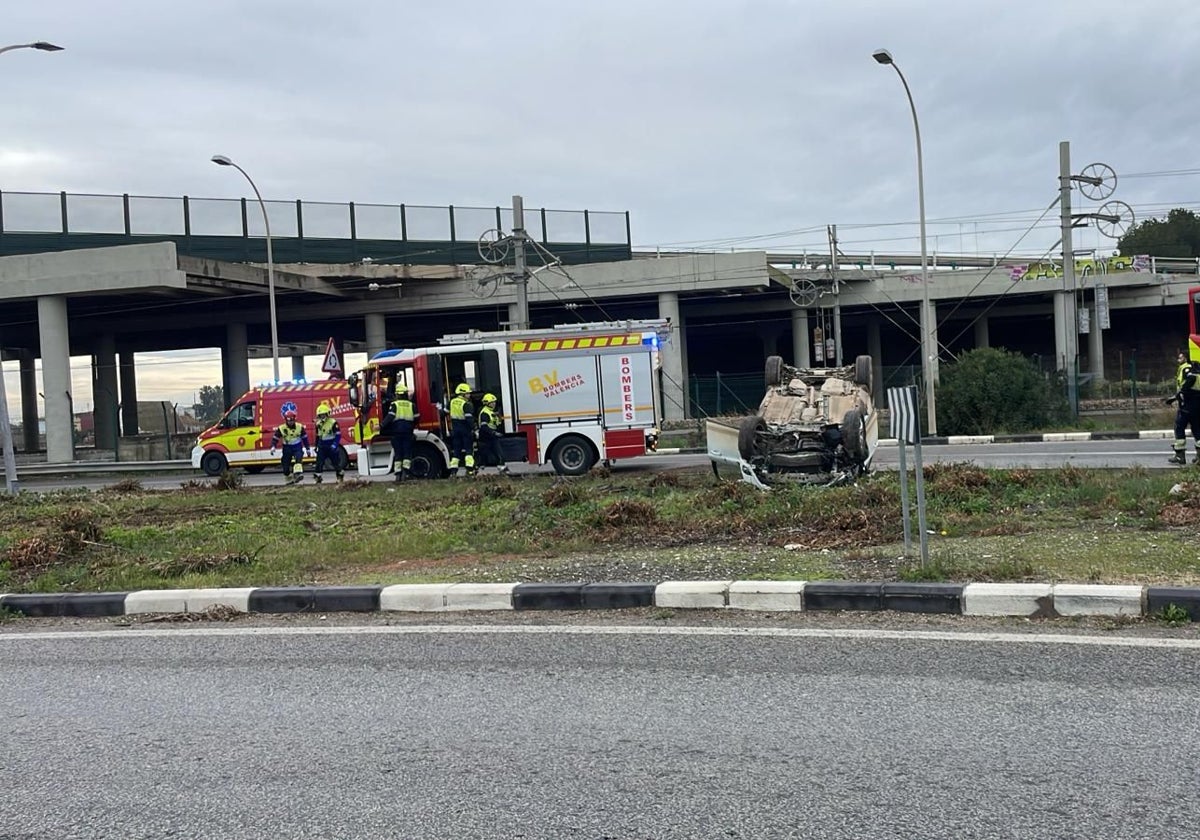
pixel 301 231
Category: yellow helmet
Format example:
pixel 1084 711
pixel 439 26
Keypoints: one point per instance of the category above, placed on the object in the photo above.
pixel 401 387
pixel 488 399
pixel 462 388
pixel 323 410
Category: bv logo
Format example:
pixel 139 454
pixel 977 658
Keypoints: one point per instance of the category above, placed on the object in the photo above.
pixel 541 383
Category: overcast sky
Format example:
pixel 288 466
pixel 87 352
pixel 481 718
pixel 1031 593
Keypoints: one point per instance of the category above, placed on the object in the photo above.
pixel 711 123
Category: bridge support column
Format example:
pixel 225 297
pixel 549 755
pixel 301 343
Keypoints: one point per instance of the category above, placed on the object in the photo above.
pixel 56 379
pixel 982 333
pixel 674 398
pixel 297 368
pixel 376 326
pixel 104 392
pixel 1096 346
pixel 235 363
pixel 29 403
pixel 129 397
pixel 875 350
pixel 801 342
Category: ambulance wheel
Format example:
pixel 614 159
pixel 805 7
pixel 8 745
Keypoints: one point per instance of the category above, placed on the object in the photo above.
pixel 213 463
pixel 573 455
pixel 427 462
pixel 255 470
pixel 343 459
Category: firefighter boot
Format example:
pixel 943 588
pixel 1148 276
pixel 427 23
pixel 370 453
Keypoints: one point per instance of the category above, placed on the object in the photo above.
pixel 398 471
pixel 340 477
pixel 318 478
pixel 1177 458
pixel 298 472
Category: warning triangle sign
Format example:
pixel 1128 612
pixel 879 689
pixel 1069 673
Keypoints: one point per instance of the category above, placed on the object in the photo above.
pixel 332 363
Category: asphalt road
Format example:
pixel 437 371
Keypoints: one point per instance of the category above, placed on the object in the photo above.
pixel 474 732
pixel 1121 454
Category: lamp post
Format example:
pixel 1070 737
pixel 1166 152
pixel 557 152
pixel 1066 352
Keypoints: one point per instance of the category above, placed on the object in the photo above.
pixel 10 457
pixel 928 342
pixel 221 160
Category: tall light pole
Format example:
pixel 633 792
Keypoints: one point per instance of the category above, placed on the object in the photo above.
pixel 928 339
pixel 10 457
pixel 221 160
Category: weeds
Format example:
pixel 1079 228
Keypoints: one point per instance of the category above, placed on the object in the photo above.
pixel 1174 615
pixel 124 487
pixel 230 480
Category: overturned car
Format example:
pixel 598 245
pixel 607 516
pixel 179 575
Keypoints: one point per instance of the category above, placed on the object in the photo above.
pixel 814 426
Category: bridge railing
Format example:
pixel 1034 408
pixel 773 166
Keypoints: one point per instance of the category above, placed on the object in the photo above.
pixel 85 220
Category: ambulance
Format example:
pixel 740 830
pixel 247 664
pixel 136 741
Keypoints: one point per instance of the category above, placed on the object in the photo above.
pixel 242 438
pixel 571 396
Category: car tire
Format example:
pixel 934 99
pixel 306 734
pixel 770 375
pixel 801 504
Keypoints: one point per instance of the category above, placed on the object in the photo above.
pixel 864 372
pixel 773 371
pixel 748 435
pixel 213 463
pixel 573 455
pixel 427 462
pixel 854 434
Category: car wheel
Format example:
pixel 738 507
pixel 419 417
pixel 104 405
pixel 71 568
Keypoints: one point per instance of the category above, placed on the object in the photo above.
pixel 773 372
pixel 854 434
pixel 213 463
pixel 573 455
pixel 427 462
pixel 748 436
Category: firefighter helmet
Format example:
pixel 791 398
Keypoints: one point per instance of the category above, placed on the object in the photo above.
pixel 323 410
pixel 462 388
pixel 489 399
pixel 289 416
pixel 401 387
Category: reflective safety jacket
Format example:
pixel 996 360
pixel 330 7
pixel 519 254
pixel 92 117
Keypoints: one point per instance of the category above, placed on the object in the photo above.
pixel 461 409
pixel 1181 373
pixel 329 432
pixel 290 434
pixel 489 418
pixel 402 409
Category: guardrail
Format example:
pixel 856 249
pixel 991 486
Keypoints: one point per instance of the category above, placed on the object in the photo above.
pixel 100 467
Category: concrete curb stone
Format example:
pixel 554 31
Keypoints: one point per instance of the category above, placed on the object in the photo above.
pixel 1033 600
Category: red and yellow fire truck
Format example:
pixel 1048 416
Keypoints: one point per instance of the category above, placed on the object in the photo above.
pixel 571 395
pixel 1194 324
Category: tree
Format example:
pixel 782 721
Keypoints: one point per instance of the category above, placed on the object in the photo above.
pixel 990 390
pixel 1178 235
pixel 211 406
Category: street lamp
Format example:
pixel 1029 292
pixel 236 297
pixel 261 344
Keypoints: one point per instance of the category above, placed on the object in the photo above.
pixel 10 457
pixel 45 46
pixel 928 342
pixel 221 160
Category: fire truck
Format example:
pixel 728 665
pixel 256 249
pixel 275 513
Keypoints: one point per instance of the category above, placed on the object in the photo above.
pixel 571 395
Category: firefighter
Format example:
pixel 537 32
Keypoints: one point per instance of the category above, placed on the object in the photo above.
pixel 1187 412
pixel 490 454
pixel 329 441
pixel 293 438
pixel 462 430
pixel 403 419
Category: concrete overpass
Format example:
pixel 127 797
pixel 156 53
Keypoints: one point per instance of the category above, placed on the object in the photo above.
pixel 729 311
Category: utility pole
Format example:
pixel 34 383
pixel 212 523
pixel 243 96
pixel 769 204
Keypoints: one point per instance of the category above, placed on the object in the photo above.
pixel 520 272
pixel 1070 316
pixel 837 300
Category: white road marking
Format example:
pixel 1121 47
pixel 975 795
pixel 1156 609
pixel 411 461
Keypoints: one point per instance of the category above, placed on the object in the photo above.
pixel 600 630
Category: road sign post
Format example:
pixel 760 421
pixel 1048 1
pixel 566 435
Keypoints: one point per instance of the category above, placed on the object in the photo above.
pixel 905 416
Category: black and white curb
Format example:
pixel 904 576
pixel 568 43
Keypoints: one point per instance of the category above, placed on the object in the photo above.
pixel 1032 600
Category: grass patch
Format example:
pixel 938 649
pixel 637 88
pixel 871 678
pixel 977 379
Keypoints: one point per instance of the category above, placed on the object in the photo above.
pixel 1065 524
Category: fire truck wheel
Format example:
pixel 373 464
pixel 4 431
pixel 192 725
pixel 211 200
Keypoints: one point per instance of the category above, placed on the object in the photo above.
pixel 255 470
pixel 573 455
pixel 773 372
pixel 427 462
pixel 213 463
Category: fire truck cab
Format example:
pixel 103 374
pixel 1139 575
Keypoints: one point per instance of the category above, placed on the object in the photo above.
pixel 571 396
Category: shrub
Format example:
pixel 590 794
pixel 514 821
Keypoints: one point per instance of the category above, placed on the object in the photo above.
pixel 991 390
